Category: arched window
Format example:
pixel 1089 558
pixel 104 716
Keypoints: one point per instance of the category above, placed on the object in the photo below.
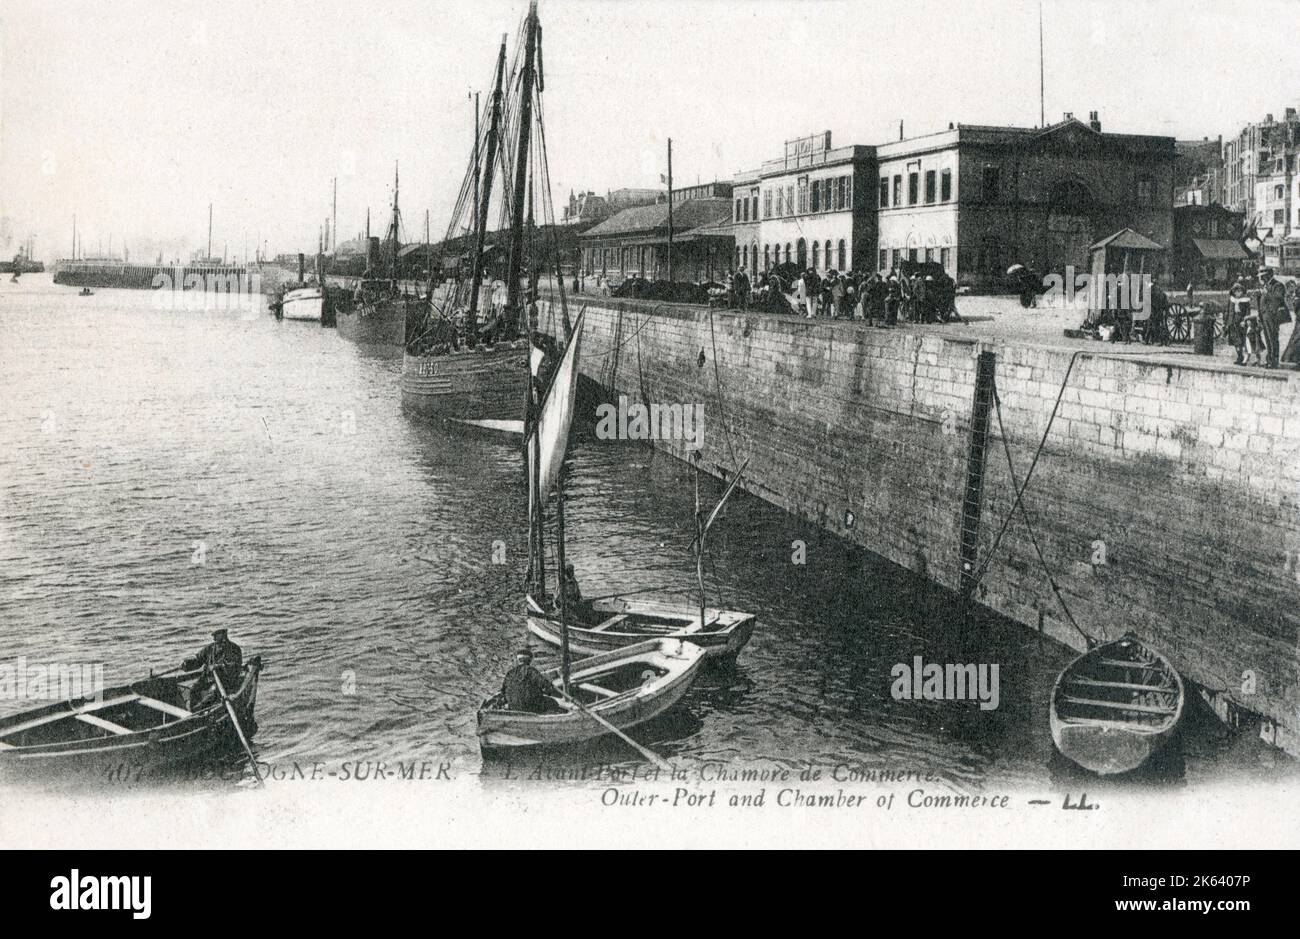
pixel 767 257
pixel 829 259
pixel 787 252
pixel 753 256
pixel 737 256
pixel 816 255
pixel 844 258
pixel 744 257
pixel 801 254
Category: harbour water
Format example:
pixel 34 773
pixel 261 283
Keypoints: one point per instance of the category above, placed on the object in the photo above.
pixel 165 472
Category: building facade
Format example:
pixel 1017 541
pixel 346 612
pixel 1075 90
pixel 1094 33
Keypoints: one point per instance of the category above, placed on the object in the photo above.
pixel 809 207
pixel 1207 249
pixel 1259 149
pixel 978 199
pixel 635 242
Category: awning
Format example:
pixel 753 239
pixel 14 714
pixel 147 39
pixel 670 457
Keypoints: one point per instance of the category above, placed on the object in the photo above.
pixel 1220 249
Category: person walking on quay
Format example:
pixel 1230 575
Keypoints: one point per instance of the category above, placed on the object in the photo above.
pixel 837 290
pixel 812 290
pixel 1272 314
pixel 1235 321
pixel 873 300
pixel 893 299
pixel 740 287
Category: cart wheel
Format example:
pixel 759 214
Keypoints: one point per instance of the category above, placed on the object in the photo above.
pixel 1179 325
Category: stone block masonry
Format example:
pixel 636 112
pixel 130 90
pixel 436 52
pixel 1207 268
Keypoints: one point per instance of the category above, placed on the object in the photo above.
pixel 1164 499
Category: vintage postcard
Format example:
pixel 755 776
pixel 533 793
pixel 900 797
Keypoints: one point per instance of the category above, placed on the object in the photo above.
pixel 573 423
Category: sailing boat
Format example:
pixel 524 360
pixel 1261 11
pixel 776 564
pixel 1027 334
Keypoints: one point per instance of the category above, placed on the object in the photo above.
pixel 617 622
pixel 466 358
pixel 607 693
pixel 377 312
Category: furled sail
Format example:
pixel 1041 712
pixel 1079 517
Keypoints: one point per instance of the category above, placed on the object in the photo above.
pixel 556 413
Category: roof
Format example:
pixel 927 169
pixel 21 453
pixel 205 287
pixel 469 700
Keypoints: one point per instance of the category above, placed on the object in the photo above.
pixel 651 219
pixel 1219 249
pixel 1129 239
pixel 408 250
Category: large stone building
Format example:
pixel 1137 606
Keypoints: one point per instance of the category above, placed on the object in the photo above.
pixel 809 206
pixel 1207 249
pixel 975 199
pixel 1259 149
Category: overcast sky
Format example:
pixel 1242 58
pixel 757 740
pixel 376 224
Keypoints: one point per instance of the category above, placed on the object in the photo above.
pixel 134 114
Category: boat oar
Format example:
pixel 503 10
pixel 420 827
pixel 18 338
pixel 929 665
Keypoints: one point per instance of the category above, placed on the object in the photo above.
pixel 650 755
pixel 234 719
pixel 726 494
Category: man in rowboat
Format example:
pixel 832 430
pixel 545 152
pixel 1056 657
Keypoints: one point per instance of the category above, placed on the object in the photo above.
pixel 526 689
pixel 222 656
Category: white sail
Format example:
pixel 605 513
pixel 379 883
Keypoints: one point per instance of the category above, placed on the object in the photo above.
pixel 556 414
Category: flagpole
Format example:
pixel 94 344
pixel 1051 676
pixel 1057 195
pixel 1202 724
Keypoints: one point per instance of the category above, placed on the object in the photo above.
pixel 1042 101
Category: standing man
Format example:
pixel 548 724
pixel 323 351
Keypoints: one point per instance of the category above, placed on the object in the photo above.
pixel 741 286
pixel 1272 312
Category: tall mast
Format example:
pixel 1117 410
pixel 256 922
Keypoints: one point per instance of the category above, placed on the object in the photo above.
pixel 485 197
pixel 670 209
pixel 396 246
pixel 521 165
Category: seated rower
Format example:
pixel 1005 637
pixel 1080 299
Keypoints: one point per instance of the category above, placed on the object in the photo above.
pixel 222 656
pixel 526 689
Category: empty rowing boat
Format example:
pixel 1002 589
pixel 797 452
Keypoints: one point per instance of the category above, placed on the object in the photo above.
pixel 145 725
pixel 616 622
pixel 1114 707
pixel 622 688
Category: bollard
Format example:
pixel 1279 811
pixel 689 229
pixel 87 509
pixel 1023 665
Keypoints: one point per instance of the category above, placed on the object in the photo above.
pixel 1204 333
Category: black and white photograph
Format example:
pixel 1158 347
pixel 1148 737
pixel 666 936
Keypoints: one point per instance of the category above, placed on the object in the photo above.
pixel 763 424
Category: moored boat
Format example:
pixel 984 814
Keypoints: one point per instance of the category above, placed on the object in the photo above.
pixel 1116 706
pixel 617 623
pixel 303 303
pixel 623 688
pixel 147 725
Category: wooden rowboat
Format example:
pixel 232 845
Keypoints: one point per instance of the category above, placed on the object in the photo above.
pixel 1114 707
pixel 145 725
pixel 625 687
pixel 619 623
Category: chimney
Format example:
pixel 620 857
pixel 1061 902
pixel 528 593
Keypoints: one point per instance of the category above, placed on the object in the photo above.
pixel 1069 116
pixel 1094 121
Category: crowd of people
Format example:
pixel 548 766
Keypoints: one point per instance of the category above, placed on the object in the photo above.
pixel 1254 319
pixel 918 296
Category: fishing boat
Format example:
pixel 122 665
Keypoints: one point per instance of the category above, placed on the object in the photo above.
pixel 465 359
pixel 303 303
pixel 147 725
pixel 377 312
pixel 1116 706
pixel 621 688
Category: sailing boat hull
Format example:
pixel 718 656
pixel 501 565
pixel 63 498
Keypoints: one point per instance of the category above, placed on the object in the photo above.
pixel 627 622
pixel 305 303
pixel 472 385
pixel 631 700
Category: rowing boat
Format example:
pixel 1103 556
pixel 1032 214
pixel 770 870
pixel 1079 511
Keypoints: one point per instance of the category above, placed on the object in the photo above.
pixel 625 687
pixel 616 622
pixel 144 726
pixel 1116 706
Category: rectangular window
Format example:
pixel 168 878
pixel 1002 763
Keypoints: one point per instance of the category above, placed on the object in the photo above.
pixel 803 195
pixel 913 184
pixel 1146 192
pixel 1279 216
pixel 895 256
pixel 911 254
pixel 945 186
pixel 737 210
pixel 767 203
pixel 1214 228
pixel 884 192
pixel 931 190
pixel 754 203
pixel 992 183
pixel 789 200
pixel 945 258
pixel 817 196
pixel 847 192
pixel 898 189
pixel 884 259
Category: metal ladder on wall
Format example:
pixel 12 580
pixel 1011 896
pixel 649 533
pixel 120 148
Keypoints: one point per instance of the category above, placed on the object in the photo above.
pixel 976 459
